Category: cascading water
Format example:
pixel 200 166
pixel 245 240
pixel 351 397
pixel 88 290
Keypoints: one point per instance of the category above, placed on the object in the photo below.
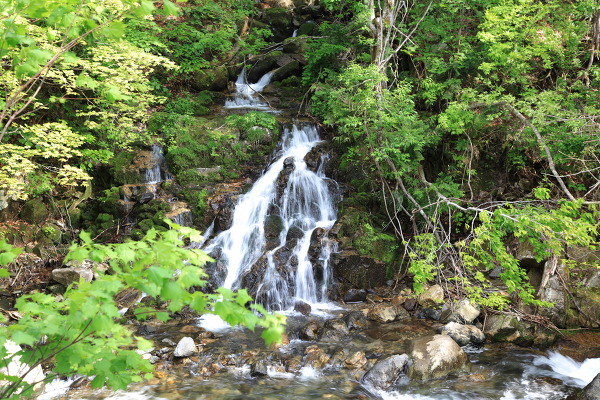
pixel 297 201
pixel 305 205
pixel 156 173
pixel 246 94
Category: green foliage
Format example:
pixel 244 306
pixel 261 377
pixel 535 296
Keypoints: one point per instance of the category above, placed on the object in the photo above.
pixel 207 32
pixel 69 81
pixel 423 263
pixel 546 229
pixel 81 333
pixel 254 126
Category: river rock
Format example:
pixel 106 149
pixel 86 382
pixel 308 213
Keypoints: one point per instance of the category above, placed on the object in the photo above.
pixel 17 368
pixel 385 372
pixel 215 79
pixel 355 320
pixel 383 313
pixel 302 307
pixel 260 65
pixel 185 348
pixel 590 392
pixel 258 368
pixel 334 330
pixel 463 334
pixel 355 295
pixel 356 360
pixel 310 331
pixel 463 312
pixel 432 297
pixel 291 68
pixel 66 276
pixel 315 357
pixel 436 356
pixel 306 29
pixel 512 329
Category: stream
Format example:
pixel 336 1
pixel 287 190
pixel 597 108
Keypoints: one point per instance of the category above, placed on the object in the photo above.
pixel 287 269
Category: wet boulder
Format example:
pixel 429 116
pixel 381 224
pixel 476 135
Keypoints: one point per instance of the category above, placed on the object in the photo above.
pixel 315 357
pixel 334 330
pixel 385 372
pixel 310 331
pixel 356 320
pixel 383 313
pixel 259 368
pixel 436 356
pixel 356 360
pixel 302 307
pixel 510 328
pixel 462 312
pixel 355 295
pixel 185 348
pixel 261 64
pixel 290 69
pixel 463 334
pixel 590 392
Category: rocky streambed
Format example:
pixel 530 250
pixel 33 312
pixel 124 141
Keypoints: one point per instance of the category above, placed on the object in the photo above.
pixel 368 350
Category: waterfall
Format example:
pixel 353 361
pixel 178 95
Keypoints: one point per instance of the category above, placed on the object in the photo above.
pixel 246 93
pixel 155 174
pixel 305 205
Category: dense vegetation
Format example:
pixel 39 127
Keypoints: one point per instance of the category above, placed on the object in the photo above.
pixel 479 122
pixel 463 126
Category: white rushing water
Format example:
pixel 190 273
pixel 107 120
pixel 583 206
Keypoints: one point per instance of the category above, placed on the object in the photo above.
pixel 305 205
pixel 247 95
pixel 155 174
pixel 568 370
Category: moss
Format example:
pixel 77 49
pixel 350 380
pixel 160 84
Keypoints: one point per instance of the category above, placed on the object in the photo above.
pixel 34 212
pixel 358 231
pixel 51 233
pixel 120 171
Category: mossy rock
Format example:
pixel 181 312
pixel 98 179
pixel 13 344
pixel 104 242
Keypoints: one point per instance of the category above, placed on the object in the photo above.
pixel 215 79
pixel 290 69
pixel 34 212
pixel 262 64
pixel 357 231
pixel 306 28
pixel 122 174
pixel 295 45
pixel 51 233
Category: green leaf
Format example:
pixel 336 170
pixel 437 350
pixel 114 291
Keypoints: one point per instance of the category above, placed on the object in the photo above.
pixel 20 337
pixel 114 30
pixel 85 81
pixel 170 8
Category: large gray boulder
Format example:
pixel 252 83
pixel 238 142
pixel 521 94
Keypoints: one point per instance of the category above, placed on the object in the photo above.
pixel 512 329
pixel 385 372
pixel 463 312
pixel 432 297
pixel 66 276
pixel 436 356
pixel 463 334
